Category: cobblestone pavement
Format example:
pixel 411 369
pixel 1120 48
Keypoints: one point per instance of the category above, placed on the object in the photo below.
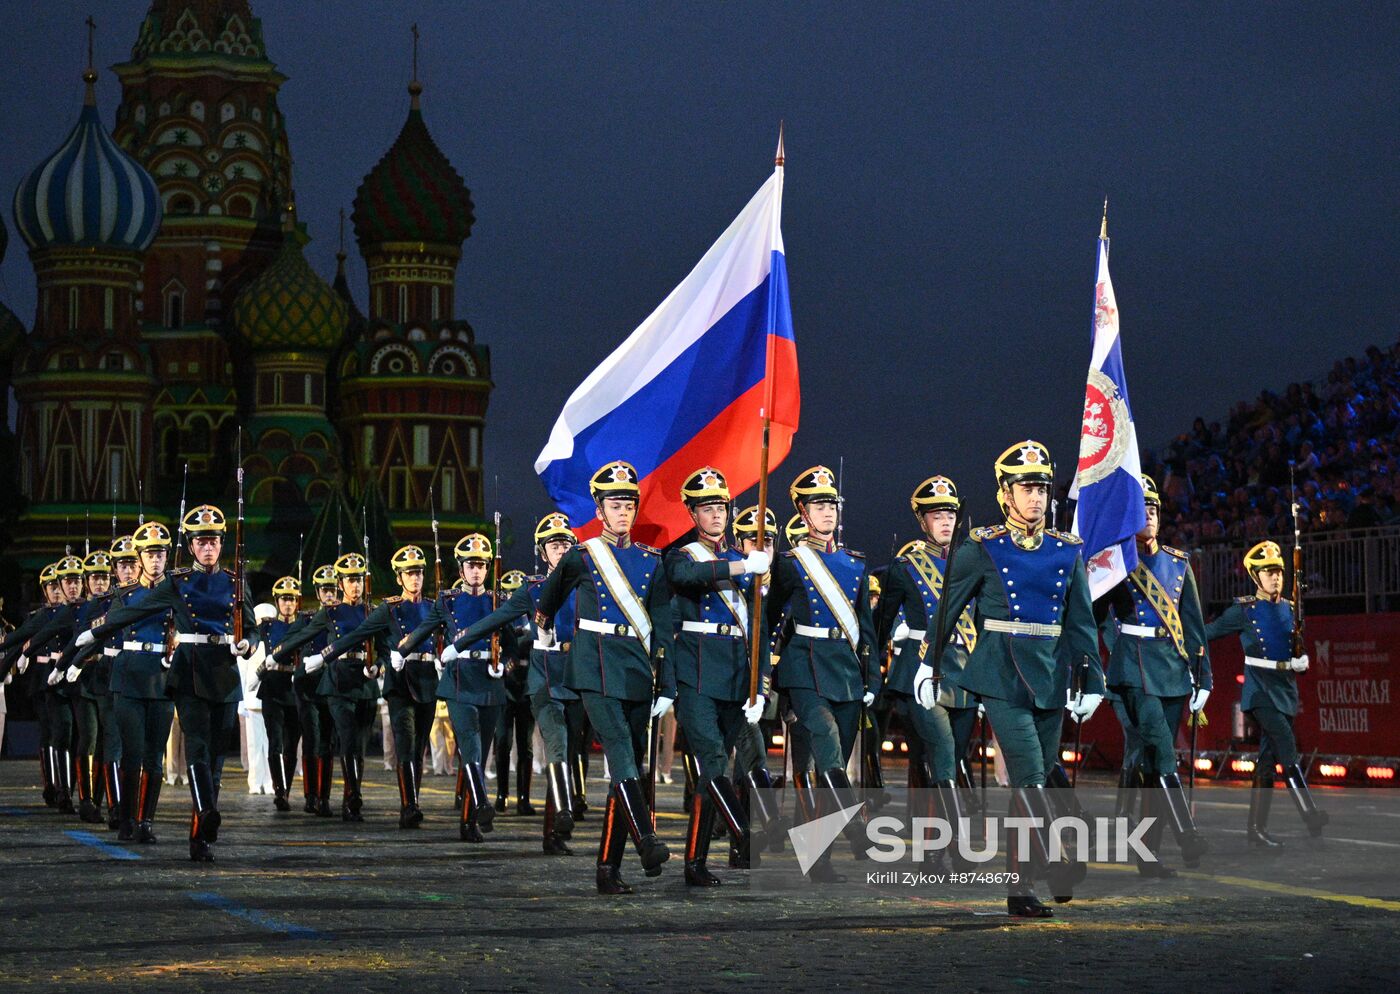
pixel 297 903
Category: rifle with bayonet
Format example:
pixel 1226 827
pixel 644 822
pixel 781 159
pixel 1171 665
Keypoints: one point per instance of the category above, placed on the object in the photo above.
pixel 1298 584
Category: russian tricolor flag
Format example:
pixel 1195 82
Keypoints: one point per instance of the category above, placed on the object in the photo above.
pixel 1109 509
pixel 690 386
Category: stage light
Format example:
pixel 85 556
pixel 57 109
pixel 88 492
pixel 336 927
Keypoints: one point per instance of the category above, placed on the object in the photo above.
pixel 1070 756
pixel 887 745
pixel 1204 765
pixel 1332 770
pixel 988 752
pixel 1380 773
pixel 778 739
pixel 1242 765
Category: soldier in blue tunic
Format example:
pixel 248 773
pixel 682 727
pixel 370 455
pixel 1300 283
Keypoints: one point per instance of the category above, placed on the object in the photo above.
pixel 517 723
pixel 203 677
pixel 313 704
pixel 549 648
pixel 90 685
pixel 469 679
pixel 620 659
pixel 410 682
pixel 279 701
pixel 17 654
pixel 1036 627
pixel 827 667
pixel 1157 667
pixel 350 680
pixel 711 598
pixel 126 570
pixel 913 585
pixel 46 646
pixel 1264 623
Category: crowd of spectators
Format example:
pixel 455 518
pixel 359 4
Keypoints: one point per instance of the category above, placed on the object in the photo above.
pixel 1230 482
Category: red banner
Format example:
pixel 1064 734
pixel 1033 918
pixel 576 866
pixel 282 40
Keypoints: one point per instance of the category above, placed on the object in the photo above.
pixel 1349 697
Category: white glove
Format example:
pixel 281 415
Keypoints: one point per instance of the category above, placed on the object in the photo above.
pixel 548 636
pixel 371 672
pixel 396 660
pixel 54 676
pixel 450 654
pixel 757 562
pixel 313 662
pixel 1198 699
pixel 440 668
pixel 85 637
pixel 165 662
pixel 1083 709
pixel 1299 665
pixel 868 699
pixel 662 705
pixel 901 633
pixel 925 687
pixel 240 649
pixel 73 674
pixel 22 663
pixel 754 711
pixel 981 709
pixel 496 670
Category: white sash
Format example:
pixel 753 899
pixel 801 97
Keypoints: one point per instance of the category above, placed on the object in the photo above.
pixel 830 592
pixel 621 588
pixel 701 553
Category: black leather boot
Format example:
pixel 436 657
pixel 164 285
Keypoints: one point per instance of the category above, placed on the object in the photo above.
pixel 1152 807
pixel 476 786
pixel 149 797
pixel 112 792
pixel 1261 798
pixel 278 769
pixel 652 850
pixel 523 774
pixel 46 776
pixel 610 847
pixel 310 766
pixel 845 795
pixel 205 801
pixel 132 781
pixel 554 843
pixel 63 783
pixel 697 843
pixel 1313 818
pixel 349 790
pixel 724 802
pixel 1178 811
pixel 562 795
pixel 409 815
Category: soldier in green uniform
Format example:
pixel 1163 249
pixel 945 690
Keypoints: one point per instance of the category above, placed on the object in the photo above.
pixel 15 648
pixel 411 679
pixel 549 696
pixel 517 717
pixel 1157 666
pixel 313 705
pixel 88 686
pixel 469 679
pixel 711 602
pixel 620 660
pixel 279 703
pixel 827 666
pixel 46 646
pixel 203 677
pixel 1264 624
pixel 1035 629
pixel 350 681
pixel 913 584
pixel 126 570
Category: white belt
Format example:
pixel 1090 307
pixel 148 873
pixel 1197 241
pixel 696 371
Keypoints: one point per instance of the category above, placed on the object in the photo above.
pixel 712 628
pixel 475 654
pixel 1143 631
pixel 1268 664
pixel 46 659
pixel 271 667
pixel 143 646
pixel 544 646
pixel 415 655
pixel 917 634
pixel 109 651
pixel 603 628
pixel 813 632
pixel 202 639
pixel 1021 627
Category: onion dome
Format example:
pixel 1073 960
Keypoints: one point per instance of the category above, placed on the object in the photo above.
pixel 413 194
pixel 89 192
pixel 288 307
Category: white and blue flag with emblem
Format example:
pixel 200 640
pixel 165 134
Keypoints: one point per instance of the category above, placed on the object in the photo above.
pixel 1107 488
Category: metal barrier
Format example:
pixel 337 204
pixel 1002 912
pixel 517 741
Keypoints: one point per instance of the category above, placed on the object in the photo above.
pixel 1357 570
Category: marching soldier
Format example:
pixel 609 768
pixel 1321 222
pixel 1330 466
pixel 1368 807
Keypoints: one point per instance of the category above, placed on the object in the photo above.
pixel 313 705
pixel 349 682
pixel 87 684
pixel 1264 624
pixel 411 680
pixel 126 569
pixel 469 681
pixel 279 699
pixel 517 717
pixel 1156 661
pixel 46 646
pixel 16 649
pixel 548 694
pixel 1035 616
pixel 913 585
pixel 826 667
pixel 620 661
pixel 711 584
pixel 203 677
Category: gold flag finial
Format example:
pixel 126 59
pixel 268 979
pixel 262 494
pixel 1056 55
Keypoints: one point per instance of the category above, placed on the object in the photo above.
pixel 90 73
pixel 414 86
pixel 781 158
pixel 1103 228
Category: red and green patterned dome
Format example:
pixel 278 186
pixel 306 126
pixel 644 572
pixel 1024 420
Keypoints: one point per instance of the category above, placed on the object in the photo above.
pixel 288 308
pixel 413 194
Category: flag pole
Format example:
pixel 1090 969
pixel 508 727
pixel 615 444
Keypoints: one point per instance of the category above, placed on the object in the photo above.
pixel 757 630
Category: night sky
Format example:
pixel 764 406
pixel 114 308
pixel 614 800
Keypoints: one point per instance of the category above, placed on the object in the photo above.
pixel 945 175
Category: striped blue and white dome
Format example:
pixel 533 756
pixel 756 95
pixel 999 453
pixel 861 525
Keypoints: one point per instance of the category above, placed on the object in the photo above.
pixel 89 192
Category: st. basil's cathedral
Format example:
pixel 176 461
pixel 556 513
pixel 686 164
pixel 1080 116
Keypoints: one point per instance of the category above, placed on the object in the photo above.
pixel 175 307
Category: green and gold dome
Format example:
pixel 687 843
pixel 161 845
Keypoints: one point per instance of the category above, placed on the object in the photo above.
pixel 288 308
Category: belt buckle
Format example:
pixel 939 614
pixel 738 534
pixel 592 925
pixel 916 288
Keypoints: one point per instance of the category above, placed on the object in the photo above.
pixel 723 629
pixel 1161 632
pixel 620 630
pixel 835 632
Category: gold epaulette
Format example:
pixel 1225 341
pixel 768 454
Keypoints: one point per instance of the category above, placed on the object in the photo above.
pixel 393 599
pixel 1175 552
pixel 1248 599
pixel 854 554
pixel 1065 536
pixel 647 548
pixel 989 531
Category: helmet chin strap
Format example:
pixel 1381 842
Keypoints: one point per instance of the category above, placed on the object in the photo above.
pixel 1013 514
